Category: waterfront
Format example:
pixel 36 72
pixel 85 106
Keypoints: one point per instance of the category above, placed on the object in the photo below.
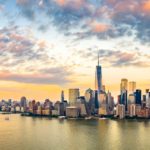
pixel 28 133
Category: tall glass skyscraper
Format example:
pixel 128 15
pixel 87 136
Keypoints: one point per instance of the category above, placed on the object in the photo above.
pixel 124 90
pixel 98 77
pixel 138 96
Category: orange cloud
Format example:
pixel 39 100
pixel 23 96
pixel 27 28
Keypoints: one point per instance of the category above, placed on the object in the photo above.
pixel 61 2
pixel 74 3
pixel 146 6
pixel 99 27
pixel 126 6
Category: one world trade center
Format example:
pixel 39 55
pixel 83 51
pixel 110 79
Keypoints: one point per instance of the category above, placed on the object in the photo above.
pixel 98 77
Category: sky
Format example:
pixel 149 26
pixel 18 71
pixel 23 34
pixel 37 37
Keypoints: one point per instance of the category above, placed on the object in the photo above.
pixel 51 45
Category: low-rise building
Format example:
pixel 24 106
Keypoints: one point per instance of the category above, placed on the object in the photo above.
pixel 72 112
pixel 55 112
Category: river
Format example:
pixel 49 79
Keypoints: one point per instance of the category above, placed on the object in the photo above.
pixel 28 133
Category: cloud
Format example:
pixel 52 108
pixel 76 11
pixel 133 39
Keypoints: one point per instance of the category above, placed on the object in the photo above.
pixel 1 8
pixel 61 2
pixel 26 59
pixel 146 6
pixel 81 19
pixel 76 4
pixel 63 14
pixel 97 27
pixel 111 18
pixel 124 59
pixel 134 14
pixel 16 43
pixel 116 58
pixel 59 76
pixel 26 8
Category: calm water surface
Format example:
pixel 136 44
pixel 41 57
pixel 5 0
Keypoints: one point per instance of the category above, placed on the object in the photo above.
pixel 27 133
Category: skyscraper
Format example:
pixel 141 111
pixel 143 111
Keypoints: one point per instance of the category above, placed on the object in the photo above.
pixel 138 97
pixel 73 95
pixel 98 77
pixel 124 84
pixel 147 98
pixel 110 101
pixel 62 96
pixel 90 101
pixel 124 98
pixel 124 89
pixel 23 102
pixel 103 104
pixel 88 95
pixel 132 87
pixel 95 97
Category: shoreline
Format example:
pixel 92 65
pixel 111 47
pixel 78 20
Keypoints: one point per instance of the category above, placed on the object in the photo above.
pixel 88 118
pixel 79 118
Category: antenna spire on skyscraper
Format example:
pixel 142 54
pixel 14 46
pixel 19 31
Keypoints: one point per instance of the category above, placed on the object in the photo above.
pixel 98 58
pixel 98 76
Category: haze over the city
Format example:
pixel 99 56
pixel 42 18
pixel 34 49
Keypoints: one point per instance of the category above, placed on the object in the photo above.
pixel 50 45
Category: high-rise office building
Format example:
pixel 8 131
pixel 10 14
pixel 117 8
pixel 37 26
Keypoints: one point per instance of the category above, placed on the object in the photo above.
pixel 90 101
pixel 103 104
pixel 124 84
pixel 95 97
pixel 23 101
pixel 81 104
pixel 73 95
pixel 138 97
pixel 124 92
pixel 124 98
pixel 132 87
pixel 143 101
pixel 147 98
pixel 110 101
pixel 62 96
pixel 98 77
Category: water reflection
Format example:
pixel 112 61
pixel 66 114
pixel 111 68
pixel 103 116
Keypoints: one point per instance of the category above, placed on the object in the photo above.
pixel 27 133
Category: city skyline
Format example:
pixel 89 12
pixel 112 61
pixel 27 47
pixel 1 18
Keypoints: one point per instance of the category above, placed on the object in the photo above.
pixel 131 103
pixel 50 45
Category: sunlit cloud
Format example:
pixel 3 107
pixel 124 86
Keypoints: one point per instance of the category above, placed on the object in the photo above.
pixel 146 6
pixel 99 27
pixel 52 77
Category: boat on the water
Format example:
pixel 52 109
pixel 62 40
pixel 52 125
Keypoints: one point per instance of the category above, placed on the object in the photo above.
pixel 62 117
pixel 88 118
pixel 103 118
